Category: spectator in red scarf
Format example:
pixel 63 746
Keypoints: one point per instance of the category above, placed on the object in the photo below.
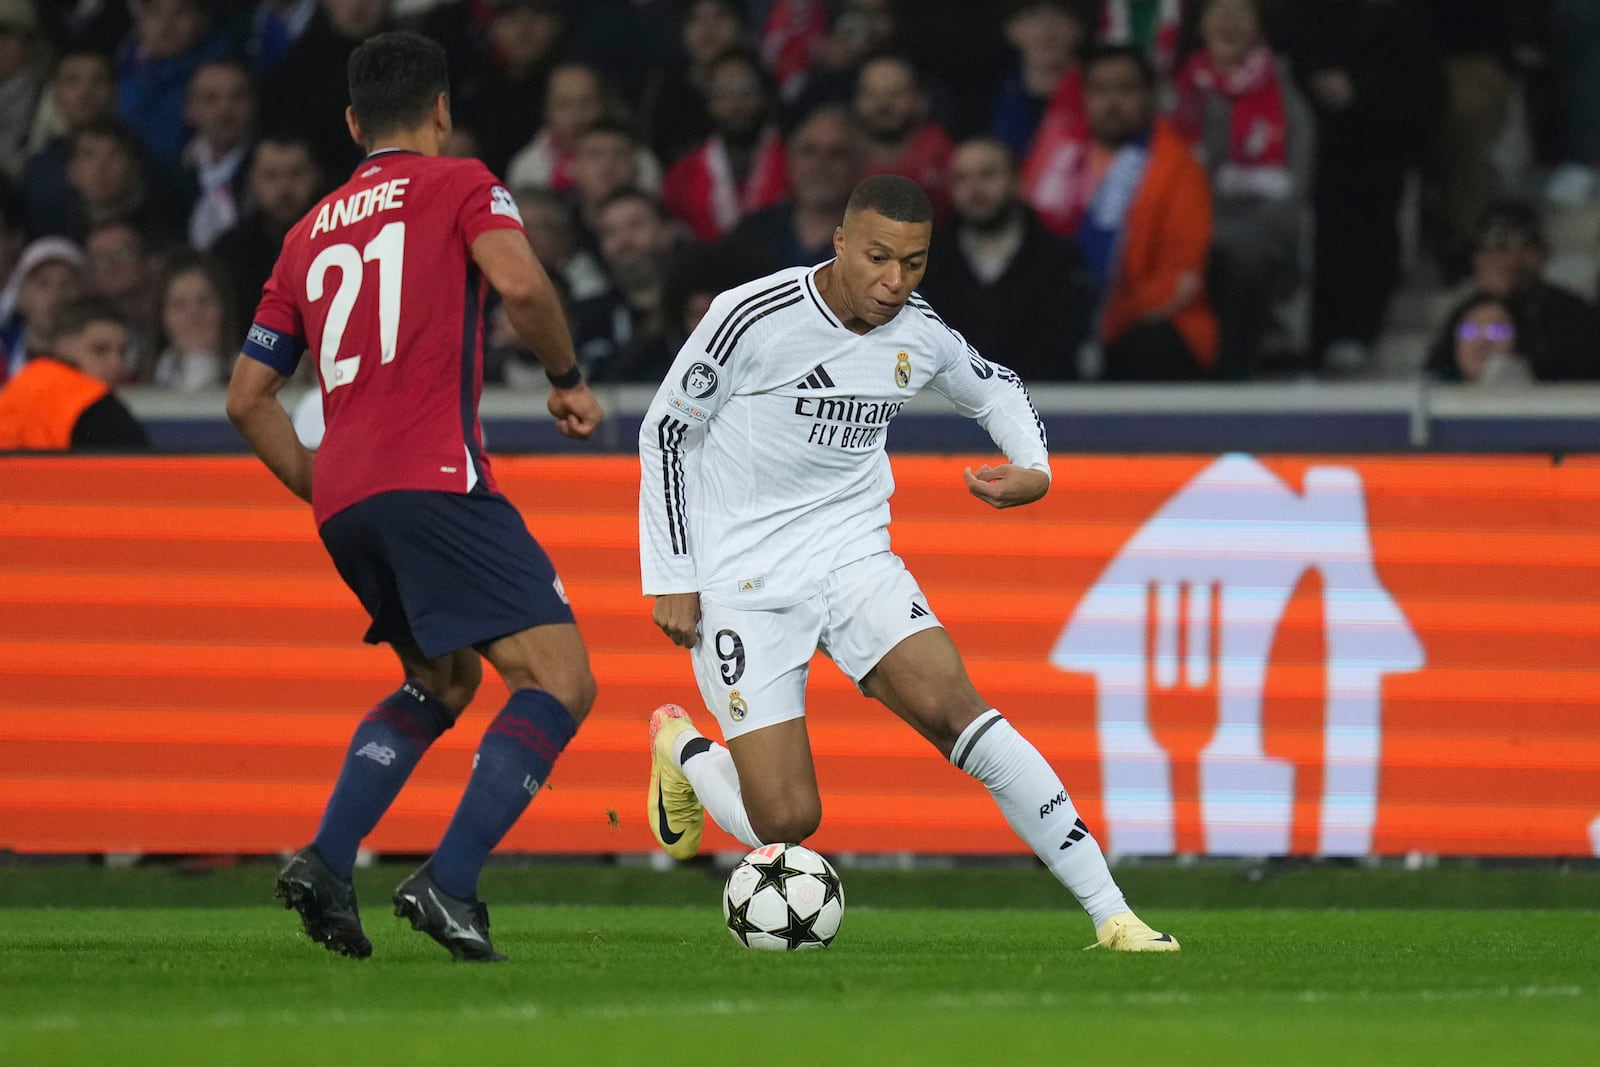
pixel 1238 107
pixel 739 168
pixel 891 107
pixel 825 162
pixel 1041 100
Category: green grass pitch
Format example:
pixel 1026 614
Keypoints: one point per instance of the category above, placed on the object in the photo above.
pixel 631 966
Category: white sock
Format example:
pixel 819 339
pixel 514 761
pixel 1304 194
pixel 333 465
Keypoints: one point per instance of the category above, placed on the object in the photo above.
pixel 710 770
pixel 1036 805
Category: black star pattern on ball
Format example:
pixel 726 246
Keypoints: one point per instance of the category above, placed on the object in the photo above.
pixel 775 873
pixel 799 931
pixel 834 889
pixel 739 922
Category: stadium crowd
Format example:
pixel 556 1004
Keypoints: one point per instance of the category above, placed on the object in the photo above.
pixel 1126 189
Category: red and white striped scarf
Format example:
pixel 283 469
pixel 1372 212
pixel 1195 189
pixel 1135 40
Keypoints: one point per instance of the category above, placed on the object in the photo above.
pixel 1053 178
pixel 1258 125
pixel 701 189
pixel 765 185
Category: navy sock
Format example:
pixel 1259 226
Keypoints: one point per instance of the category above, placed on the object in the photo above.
pixel 513 761
pixel 382 754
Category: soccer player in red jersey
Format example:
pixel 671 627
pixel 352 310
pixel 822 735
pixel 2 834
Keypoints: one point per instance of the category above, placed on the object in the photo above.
pixel 384 282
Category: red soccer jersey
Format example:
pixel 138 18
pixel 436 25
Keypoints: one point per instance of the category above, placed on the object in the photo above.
pixel 377 281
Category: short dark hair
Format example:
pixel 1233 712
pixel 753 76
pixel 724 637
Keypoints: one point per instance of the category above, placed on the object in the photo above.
pixel 633 192
pixel 83 51
pixel 614 127
pixel 895 198
pixel 227 62
pixel 1072 10
pixel 1510 218
pixel 394 79
pixel 78 315
pixel 114 130
pixel 287 137
pixel 732 7
pixel 890 56
pixel 119 134
pixel 118 222
pixel 989 140
pixel 769 85
pixel 1113 53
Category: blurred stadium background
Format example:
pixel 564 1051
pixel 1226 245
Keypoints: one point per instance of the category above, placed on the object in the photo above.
pixel 1316 627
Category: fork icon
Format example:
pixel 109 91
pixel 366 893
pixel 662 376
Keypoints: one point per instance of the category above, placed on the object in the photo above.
pixel 1181 689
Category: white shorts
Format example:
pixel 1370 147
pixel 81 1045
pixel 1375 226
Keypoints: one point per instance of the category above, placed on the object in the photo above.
pixel 752 665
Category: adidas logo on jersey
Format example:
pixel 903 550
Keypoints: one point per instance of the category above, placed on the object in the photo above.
pixel 817 379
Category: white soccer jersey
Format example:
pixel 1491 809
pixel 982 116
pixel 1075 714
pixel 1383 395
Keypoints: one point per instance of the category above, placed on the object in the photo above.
pixel 762 455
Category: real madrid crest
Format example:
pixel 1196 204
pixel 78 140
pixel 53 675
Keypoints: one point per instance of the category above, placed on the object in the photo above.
pixel 902 369
pixel 737 708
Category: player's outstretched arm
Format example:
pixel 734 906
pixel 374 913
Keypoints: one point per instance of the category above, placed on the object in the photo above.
pixel 1008 485
pixel 254 409
pixel 534 310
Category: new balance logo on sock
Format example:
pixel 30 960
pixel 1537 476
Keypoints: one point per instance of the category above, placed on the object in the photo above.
pixel 531 784
pixel 817 379
pixel 1079 832
pixel 377 753
pixel 918 611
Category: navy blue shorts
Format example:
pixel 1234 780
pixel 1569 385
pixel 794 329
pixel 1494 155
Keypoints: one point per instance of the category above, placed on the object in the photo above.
pixel 444 571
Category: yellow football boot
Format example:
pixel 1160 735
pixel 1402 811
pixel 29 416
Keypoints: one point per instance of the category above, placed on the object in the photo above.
pixel 1126 932
pixel 674 813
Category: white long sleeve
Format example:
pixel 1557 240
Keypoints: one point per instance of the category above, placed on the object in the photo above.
pixel 762 461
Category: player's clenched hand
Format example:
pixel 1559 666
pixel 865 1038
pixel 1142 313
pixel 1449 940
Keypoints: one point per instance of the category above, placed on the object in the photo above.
pixel 1007 485
pixel 576 410
pixel 678 615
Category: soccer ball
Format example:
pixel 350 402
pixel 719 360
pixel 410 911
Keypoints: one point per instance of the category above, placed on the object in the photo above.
pixel 783 898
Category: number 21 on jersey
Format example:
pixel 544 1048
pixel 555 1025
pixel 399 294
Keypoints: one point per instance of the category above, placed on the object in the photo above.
pixel 387 249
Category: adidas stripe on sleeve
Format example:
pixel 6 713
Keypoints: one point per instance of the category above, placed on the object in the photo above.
pixel 699 385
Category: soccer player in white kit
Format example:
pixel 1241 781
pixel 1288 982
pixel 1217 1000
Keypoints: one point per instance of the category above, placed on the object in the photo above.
pixel 763 526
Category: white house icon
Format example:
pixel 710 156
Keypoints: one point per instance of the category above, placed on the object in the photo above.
pixel 1239 530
